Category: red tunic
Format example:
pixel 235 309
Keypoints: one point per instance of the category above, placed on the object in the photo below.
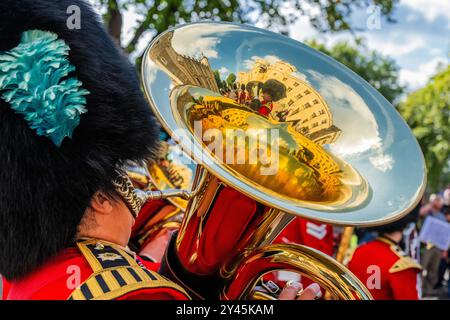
pixel 52 281
pixel 386 271
pixel 312 234
pixel 152 231
pixel 266 108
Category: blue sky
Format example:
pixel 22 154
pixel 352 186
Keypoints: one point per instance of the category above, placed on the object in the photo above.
pixel 419 42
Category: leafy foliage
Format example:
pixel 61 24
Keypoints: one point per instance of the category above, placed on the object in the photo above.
pixel 157 16
pixel 231 79
pixel 427 111
pixel 381 72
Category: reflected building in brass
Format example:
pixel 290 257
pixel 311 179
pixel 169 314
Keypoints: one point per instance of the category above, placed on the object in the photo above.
pixel 183 69
pixel 302 105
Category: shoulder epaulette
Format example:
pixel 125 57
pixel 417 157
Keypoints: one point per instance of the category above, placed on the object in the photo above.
pixel 404 263
pixel 115 273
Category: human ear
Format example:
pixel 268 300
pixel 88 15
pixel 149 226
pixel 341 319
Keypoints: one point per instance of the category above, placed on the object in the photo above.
pixel 101 203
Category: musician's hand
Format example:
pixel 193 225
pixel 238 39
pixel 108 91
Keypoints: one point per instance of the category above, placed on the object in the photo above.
pixel 294 291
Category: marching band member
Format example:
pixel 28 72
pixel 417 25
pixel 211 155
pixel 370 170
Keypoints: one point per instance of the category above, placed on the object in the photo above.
pixel 272 91
pixel 72 115
pixel 384 268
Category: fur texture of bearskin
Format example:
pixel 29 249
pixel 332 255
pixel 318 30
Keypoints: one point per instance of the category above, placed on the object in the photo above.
pixel 45 190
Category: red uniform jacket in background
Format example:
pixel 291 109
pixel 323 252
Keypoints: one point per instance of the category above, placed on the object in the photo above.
pixel 312 234
pixel 386 271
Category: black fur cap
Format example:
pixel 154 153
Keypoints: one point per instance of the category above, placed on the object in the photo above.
pixel 45 190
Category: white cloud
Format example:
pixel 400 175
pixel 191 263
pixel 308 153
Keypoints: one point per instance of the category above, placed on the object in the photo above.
pixel 430 9
pixel 197 40
pixel 395 44
pixel 350 113
pixel 383 162
pixel 249 63
pixel 416 78
pixel 302 29
pixel 299 75
pixel 412 17
pixel 224 71
pixel 150 72
pixel 190 44
pixel 435 51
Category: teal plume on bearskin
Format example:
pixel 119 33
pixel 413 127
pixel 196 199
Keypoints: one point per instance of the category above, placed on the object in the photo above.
pixel 34 82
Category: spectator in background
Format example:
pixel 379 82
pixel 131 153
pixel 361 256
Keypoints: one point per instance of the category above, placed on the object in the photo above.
pixel 431 256
pixel 433 207
pixel 447 216
pixel 446 199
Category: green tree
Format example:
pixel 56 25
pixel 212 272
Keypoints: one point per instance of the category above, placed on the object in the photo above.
pixel 231 79
pixel 380 71
pixel 156 16
pixel 427 112
pixel 218 79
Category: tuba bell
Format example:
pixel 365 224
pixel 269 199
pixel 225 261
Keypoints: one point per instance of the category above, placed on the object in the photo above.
pixel 282 130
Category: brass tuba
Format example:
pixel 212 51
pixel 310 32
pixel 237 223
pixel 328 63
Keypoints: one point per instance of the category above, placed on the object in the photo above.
pixel 284 131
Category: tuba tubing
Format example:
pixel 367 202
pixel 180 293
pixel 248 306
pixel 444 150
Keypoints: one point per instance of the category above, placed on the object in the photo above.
pixel 320 268
pixel 252 254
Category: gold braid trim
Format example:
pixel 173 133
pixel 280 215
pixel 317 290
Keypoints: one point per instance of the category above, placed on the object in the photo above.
pixel 116 273
pixel 126 190
pixel 404 262
pixel 103 285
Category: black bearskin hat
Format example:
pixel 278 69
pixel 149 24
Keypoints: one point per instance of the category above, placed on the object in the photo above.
pixel 45 185
pixel 275 89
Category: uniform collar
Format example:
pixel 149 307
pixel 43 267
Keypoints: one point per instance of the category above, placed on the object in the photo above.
pixel 387 240
pixel 107 243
